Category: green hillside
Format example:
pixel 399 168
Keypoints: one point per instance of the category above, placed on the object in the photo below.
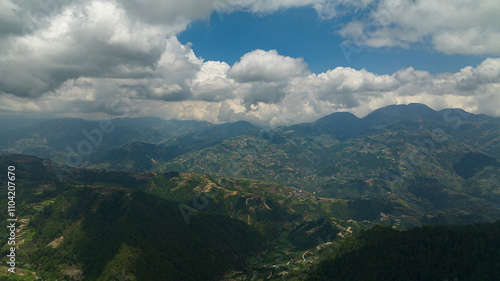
pixel 106 230
pixel 429 253
pixel 95 224
pixel 423 161
pixel 96 230
pixel 159 198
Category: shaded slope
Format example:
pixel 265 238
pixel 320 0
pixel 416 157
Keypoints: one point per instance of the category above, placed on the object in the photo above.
pixel 101 225
pixel 429 253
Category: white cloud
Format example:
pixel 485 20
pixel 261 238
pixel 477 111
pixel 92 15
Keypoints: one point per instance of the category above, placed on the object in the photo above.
pixel 9 21
pixel 263 75
pixel 211 82
pixel 449 26
pixel 185 87
pixel 330 9
pixel 343 86
pixel 269 66
pixel 268 6
pixel 95 40
pixel 99 58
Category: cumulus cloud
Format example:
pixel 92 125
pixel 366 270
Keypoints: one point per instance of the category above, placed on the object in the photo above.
pixel 9 21
pixel 94 59
pixel 95 40
pixel 50 42
pixel 265 6
pixel 263 75
pixel 213 96
pixel 342 83
pixel 211 82
pixel 269 66
pixel 333 8
pixel 451 27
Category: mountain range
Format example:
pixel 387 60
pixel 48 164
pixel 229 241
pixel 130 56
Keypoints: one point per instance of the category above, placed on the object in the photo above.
pixel 138 198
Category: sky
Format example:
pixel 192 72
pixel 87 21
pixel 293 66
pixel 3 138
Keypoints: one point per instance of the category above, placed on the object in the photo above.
pixel 270 62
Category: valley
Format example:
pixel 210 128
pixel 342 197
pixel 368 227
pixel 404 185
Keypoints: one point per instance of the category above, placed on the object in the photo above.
pixel 238 202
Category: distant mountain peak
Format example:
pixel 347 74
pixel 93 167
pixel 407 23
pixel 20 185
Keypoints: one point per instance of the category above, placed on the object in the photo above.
pixel 242 123
pixel 239 126
pixel 412 107
pixel 399 112
pixel 339 117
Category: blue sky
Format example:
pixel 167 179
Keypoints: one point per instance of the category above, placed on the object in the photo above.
pixel 299 32
pixel 269 62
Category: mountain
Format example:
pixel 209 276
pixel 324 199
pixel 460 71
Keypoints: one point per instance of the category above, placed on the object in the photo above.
pixel 429 253
pixel 269 207
pixel 101 225
pixel 58 138
pixel 135 156
pixel 102 230
pixel 230 130
pixel 441 166
pixel 434 163
pixel 97 229
pixel 147 143
pixel 344 125
pixel 154 199
pixel 145 156
pixel 396 113
pixel 90 224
